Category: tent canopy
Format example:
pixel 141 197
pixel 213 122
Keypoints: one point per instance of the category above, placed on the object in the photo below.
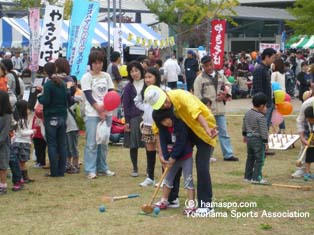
pixel 301 42
pixel 14 32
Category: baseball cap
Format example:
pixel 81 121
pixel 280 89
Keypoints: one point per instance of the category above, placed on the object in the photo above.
pixel 154 96
pixel 206 59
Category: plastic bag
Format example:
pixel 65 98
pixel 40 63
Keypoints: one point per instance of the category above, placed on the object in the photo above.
pixel 102 132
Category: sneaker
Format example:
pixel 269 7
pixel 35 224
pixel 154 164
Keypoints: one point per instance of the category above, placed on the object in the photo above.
pixel 307 177
pixel 110 173
pixel 3 190
pixel 247 180
pixel 231 159
pixel 73 170
pixel 147 182
pixel 17 187
pixel 106 173
pixel 134 174
pixel 174 203
pixel 204 210
pixel 162 205
pixel 91 176
pixel 298 173
pixel 161 185
pixel 212 159
pixel 37 165
pixel 262 181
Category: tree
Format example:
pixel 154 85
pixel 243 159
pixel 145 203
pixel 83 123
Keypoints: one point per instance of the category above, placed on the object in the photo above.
pixel 67 9
pixel 303 12
pixel 183 15
pixel 25 4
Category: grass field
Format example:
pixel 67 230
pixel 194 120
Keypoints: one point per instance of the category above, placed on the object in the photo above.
pixel 70 205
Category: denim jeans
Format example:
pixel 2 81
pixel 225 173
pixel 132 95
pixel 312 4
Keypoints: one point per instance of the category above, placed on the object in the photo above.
pixel 15 167
pixel 268 115
pixel 95 154
pixel 55 128
pixel 223 136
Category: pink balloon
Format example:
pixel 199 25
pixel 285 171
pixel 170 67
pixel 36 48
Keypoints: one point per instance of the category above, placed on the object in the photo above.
pixel 276 118
pixel 287 98
pixel 111 100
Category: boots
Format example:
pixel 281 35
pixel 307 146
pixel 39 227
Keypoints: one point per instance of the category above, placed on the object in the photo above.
pixel 26 178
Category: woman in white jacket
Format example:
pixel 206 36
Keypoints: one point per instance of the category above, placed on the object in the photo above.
pixel 152 77
pixel 278 75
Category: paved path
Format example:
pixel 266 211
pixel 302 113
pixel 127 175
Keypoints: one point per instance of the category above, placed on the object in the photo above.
pixel 242 105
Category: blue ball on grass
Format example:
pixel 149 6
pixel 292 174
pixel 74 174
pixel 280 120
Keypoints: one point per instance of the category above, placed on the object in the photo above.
pixel 102 208
pixel 156 210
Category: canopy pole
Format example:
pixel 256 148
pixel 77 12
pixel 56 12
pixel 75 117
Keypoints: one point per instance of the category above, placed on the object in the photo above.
pixel 108 43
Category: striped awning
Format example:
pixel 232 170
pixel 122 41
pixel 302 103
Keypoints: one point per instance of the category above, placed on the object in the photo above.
pixel 304 42
pixel 15 33
pixel 299 44
pixel 12 34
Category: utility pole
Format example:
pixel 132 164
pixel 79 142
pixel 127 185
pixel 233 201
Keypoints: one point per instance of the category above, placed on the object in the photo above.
pixel 209 29
pixel 108 43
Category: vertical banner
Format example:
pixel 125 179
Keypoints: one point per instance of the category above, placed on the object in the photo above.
pixel 34 29
pixel 217 42
pixel 51 34
pixel 81 32
pixel 117 42
pixel 283 40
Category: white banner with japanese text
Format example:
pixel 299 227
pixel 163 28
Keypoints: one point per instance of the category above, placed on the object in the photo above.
pixel 50 34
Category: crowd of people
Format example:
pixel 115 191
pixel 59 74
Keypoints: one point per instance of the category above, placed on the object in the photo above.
pixel 167 121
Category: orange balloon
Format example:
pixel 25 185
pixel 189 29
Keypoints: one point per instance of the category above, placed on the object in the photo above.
pixel 285 108
pixel 253 55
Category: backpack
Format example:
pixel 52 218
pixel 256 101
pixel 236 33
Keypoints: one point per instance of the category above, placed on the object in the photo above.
pixel 17 84
pixel 3 84
pixel 78 117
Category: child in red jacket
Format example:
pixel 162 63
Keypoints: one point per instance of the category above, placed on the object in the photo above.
pixel 39 141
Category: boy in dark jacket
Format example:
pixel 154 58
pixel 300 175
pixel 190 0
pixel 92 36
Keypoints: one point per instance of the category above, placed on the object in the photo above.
pixel 175 146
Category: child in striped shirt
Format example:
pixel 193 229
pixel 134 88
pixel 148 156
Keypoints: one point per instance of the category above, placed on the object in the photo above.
pixel 255 134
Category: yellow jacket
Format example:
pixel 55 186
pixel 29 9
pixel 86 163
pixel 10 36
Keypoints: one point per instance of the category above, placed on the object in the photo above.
pixel 188 107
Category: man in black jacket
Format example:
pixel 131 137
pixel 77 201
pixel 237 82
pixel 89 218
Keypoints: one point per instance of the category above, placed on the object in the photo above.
pixel 262 81
pixel 191 67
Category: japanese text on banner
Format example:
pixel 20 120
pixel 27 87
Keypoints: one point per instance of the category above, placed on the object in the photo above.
pixel 34 26
pixel 82 25
pixel 51 31
pixel 217 42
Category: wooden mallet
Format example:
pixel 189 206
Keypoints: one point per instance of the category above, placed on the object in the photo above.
pixel 304 188
pixel 112 199
pixel 300 161
pixel 148 208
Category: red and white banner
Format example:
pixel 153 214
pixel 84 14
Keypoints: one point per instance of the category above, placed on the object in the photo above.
pixel 51 34
pixel 34 28
pixel 217 42
pixel 263 46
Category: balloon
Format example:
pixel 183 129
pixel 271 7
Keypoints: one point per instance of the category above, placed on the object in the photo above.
pixel 231 79
pixel 253 55
pixel 285 108
pixel 111 100
pixel 279 96
pixel 276 118
pixel 201 48
pixel 287 98
pixel 275 86
pixel 123 71
pixel 251 68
